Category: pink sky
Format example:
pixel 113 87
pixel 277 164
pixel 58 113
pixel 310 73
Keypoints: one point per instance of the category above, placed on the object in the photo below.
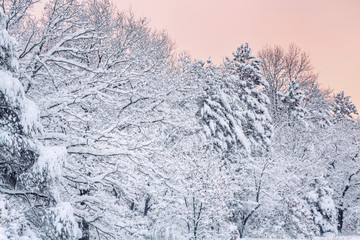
pixel 328 30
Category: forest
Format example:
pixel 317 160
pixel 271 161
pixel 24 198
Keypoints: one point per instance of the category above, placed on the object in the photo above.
pixel 107 132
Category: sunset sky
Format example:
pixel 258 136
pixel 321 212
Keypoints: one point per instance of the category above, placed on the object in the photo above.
pixel 328 30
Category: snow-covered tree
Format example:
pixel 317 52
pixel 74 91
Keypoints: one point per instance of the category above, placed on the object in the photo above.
pixel 317 103
pixel 234 116
pixel 28 169
pixel 279 67
pixel 322 208
pixel 341 146
pixel 234 110
pixel 249 85
pixel 292 103
pixel 99 79
pixel 219 108
pixel 19 119
pixel 342 107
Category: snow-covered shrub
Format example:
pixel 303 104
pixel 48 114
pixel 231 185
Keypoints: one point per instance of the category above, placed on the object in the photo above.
pixel 298 219
pixel 60 223
pixel 322 208
pixel 46 173
pixel 13 223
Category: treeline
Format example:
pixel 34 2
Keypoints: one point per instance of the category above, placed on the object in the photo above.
pixel 132 141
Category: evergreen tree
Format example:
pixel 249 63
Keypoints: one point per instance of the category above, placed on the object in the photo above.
pixel 18 150
pixel 252 102
pixel 342 107
pixel 18 116
pixel 322 207
pixel 234 109
pixel 292 100
pixel 8 59
pixel 235 116
pixel 219 108
pixel 27 169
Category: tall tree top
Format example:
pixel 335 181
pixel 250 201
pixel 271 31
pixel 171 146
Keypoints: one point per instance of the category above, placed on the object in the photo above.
pixel 343 107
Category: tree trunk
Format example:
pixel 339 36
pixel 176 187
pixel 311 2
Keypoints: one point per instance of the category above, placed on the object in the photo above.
pixel 340 219
pixel 85 230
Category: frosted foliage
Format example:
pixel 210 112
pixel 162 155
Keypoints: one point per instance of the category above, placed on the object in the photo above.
pixel 8 58
pixel 107 98
pixel 13 224
pixel 292 100
pixel 341 148
pixel 19 121
pixel 51 160
pixel 246 66
pixel 323 208
pixel 59 222
pixel 234 108
pixel 252 103
pixel 298 221
pixel 235 118
pixel 155 146
pixel 221 124
pixel 343 107
pixel 12 93
pixel 46 173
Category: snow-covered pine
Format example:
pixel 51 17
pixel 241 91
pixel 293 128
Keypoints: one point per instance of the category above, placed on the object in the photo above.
pixel 8 56
pixel 317 103
pixel 292 104
pixel 342 107
pixel 252 104
pixel 234 107
pixel 218 109
pixel 18 149
pixel 322 207
pixel 235 118
pixel 22 155
pixel 18 116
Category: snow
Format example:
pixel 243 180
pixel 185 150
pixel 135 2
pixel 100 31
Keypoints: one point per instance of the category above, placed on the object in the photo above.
pixel 11 87
pixel 30 116
pixel 135 165
pixel 7 42
pixel 15 96
pixel 315 238
pixel 29 235
pixel 65 220
pixel 49 166
pixel 242 138
pixel 2 234
pixel 52 160
pixel 11 220
pixel 5 138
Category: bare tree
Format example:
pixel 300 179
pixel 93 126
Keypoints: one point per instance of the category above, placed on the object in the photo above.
pixel 279 67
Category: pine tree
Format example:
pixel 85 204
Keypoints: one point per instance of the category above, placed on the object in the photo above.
pixel 18 116
pixel 218 112
pixel 18 122
pixel 252 109
pixel 235 116
pixel 291 100
pixel 28 169
pixel 234 108
pixel 323 208
pixel 8 59
pixel 342 107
